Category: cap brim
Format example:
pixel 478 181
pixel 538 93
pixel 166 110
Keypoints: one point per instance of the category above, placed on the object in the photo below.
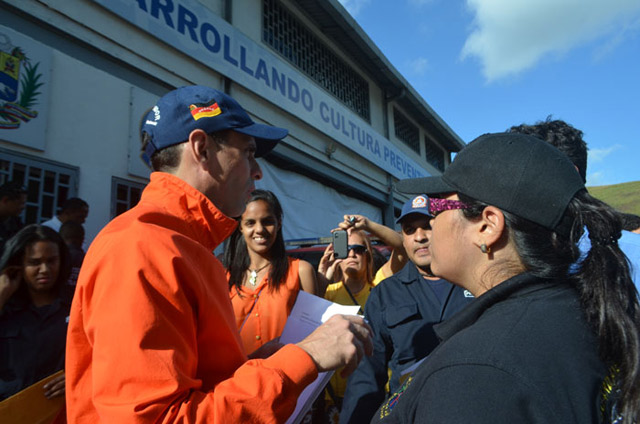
pixel 425 185
pixel 414 211
pixel 266 136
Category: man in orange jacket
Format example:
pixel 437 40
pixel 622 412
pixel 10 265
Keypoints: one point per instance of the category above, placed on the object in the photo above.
pixel 152 336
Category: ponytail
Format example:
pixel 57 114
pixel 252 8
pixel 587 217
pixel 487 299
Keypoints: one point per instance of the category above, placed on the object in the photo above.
pixel 610 299
pixel 607 293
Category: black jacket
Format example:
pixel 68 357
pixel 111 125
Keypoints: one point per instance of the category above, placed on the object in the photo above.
pixel 32 340
pixel 521 353
pixel 401 311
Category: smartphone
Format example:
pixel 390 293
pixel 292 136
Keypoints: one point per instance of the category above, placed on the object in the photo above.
pixel 340 242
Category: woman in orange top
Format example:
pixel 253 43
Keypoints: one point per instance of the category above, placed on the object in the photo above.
pixel 263 281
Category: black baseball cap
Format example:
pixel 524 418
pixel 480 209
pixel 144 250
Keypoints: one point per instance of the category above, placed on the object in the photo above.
pixel 518 173
pixel 185 109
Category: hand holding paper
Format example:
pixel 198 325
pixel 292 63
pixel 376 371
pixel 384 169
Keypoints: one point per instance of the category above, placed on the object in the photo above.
pixel 330 337
pixel 55 387
pixel 341 341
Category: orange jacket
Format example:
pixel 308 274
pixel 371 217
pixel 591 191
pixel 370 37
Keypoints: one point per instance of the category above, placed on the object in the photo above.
pixel 271 310
pixel 152 336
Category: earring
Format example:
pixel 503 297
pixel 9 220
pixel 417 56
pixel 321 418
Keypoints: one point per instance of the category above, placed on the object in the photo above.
pixel 484 248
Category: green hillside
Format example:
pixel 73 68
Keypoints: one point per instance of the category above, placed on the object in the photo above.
pixel 625 197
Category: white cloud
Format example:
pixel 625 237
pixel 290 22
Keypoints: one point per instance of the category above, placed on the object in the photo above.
pixel 601 52
pixel 509 36
pixel 418 66
pixel 598 155
pixel 595 179
pixel 354 6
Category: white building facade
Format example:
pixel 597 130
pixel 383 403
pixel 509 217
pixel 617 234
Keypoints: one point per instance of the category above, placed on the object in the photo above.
pixel 76 77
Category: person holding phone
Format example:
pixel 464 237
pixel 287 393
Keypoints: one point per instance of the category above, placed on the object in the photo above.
pixel 388 236
pixel 356 270
pixel 34 309
pixel 263 281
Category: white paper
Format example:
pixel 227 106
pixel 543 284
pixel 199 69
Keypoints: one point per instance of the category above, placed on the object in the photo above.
pixel 308 313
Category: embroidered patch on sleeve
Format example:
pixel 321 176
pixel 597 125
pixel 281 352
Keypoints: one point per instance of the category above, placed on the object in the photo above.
pixel 386 408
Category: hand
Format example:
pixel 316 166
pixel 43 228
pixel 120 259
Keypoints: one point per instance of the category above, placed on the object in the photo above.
pixel 354 222
pixel 10 279
pixel 328 263
pixel 267 349
pixel 55 387
pixel 342 341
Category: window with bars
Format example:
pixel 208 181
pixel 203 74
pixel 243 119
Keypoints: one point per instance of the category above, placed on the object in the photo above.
pixel 289 37
pixel 406 131
pixel 434 155
pixel 48 184
pixel 125 194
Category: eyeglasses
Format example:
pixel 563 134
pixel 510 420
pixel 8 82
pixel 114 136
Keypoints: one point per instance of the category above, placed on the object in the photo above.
pixel 358 249
pixel 440 205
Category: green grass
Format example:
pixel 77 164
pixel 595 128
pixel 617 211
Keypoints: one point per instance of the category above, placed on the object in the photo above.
pixel 624 197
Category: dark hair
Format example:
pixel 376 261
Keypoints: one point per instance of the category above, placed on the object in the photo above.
pixel 16 248
pixel 561 135
pixel 168 158
pixel 163 160
pixel 12 190
pixel 378 260
pixel 74 204
pixel 236 256
pixel 71 231
pixel 630 222
pixel 608 295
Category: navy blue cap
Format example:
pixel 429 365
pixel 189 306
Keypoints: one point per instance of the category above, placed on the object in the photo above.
pixel 418 204
pixel 189 108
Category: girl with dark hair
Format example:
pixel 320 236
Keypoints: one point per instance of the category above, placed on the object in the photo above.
pixel 34 308
pixel 540 343
pixel 263 281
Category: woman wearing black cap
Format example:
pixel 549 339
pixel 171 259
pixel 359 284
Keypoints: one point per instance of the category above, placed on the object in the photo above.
pixel 540 344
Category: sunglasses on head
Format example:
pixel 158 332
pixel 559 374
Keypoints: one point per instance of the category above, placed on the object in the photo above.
pixel 358 249
pixel 440 205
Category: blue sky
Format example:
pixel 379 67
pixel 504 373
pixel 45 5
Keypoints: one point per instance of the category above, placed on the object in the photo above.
pixel 485 65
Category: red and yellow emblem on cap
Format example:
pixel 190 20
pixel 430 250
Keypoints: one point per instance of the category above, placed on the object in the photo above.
pixel 204 110
pixel 419 202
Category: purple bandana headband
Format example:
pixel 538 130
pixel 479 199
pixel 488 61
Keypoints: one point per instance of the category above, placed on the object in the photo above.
pixel 440 205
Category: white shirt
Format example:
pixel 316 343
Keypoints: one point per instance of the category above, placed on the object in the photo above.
pixel 54 223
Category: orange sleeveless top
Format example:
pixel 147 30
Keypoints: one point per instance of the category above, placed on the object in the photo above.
pixel 262 313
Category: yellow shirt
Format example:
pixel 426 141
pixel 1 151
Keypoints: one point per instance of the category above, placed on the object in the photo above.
pixel 380 275
pixel 338 294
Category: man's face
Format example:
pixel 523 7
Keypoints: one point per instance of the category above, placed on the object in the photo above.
pixel 14 207
pixel 415 240
pixel 79 215
pixel 233 169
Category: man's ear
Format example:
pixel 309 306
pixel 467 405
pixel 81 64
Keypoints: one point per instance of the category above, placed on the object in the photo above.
pixel 491 226
pixel 198 146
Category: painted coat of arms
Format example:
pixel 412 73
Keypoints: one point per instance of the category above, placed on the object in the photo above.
pixel 19 85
